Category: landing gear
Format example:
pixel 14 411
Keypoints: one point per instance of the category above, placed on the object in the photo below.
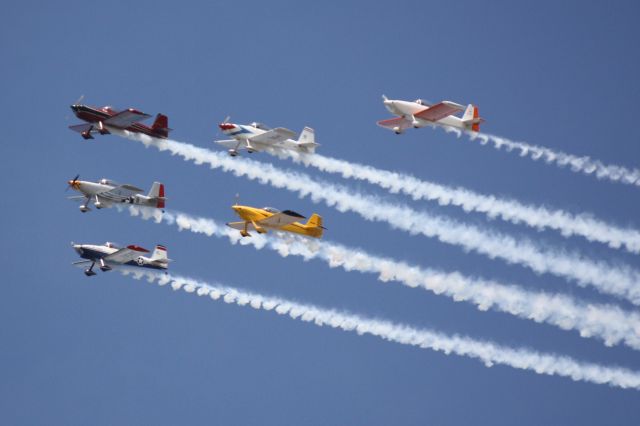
pixel 84 208
pixel 244 231
pixel 89 272
pixel 103 266
pixel 233 152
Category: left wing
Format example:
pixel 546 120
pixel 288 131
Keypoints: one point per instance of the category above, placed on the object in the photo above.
pixel 232 143
pixel 125 118
pixel 273 136
pixel 126 254
pixel 439 111
pixel 81 128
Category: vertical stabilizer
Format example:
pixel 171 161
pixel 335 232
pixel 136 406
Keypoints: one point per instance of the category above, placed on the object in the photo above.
pixel 307 140
pixel 157 192
pixel 161 126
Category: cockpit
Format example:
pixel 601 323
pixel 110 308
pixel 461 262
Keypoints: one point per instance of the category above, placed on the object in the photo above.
pixel 110 245
pixel 260 126
pixel 105 181
pixel 271 210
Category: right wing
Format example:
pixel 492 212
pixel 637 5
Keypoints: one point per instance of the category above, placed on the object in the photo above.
pixel 240 226
pixel 125 118
pixel 126 254
pixel 392 123
pixel 273 136
pixel 439 111
pixel 278 220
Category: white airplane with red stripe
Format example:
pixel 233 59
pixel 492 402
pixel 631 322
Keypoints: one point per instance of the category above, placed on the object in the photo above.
pixel 257 137
pixel 108 256
pixel 418 114
pixel 106 193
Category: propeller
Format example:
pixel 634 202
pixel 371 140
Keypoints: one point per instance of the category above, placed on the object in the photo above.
pixel 226 120
pixel 79 100
pixel 237 199
pixel 72 182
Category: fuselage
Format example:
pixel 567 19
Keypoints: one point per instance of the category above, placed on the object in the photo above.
pixel 98 115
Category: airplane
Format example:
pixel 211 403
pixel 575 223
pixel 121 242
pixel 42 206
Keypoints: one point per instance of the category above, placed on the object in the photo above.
pixel 109 256
pixel 420 114
pixel 100 119
pixel 105 193
pixel 270 218
pixel 258 137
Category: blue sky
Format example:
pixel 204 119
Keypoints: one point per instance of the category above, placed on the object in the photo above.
pixel 111 350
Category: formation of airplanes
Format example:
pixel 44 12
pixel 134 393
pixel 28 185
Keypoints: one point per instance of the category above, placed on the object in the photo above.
pixel 252 137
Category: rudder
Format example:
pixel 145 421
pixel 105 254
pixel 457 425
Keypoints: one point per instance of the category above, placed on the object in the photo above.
pixel 161 125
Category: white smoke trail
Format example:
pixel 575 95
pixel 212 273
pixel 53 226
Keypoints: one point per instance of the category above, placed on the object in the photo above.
pixel 567 224
pixel 618 280
pixel 487 352
pixel 577 164
pixel 608 323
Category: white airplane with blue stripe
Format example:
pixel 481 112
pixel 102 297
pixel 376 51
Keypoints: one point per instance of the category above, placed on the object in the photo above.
pixel 105 193
pixel 256 137
pixel 109 256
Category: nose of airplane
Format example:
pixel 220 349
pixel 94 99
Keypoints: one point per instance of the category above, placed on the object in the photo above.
pixel 226 126
pixel 77 248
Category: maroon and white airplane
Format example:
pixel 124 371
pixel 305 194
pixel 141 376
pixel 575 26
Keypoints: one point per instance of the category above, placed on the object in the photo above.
pixel 100 119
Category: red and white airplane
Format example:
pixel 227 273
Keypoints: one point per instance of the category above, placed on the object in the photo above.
pixel 106 193
pixel 420 114
pixel 100 119
pixel 109 256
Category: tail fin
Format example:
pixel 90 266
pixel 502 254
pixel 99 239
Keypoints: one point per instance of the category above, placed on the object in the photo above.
pixel 157 192
pixel 161 125
pixel 307 140
pixel 314 225
pixel 160 254
pixel 471 118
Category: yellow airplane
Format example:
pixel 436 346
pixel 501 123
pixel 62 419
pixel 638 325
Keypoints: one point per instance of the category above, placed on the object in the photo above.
pixel 270 218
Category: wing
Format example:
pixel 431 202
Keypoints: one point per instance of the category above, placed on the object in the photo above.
pixel 125 118
pixel 273 136
pixel 81 128
pixel 392 123
pixel 439 111
pixel 77 197
pixel 278 220
pixel 120 192
pixel 240 226
pixel 232 143
pixel 126 254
